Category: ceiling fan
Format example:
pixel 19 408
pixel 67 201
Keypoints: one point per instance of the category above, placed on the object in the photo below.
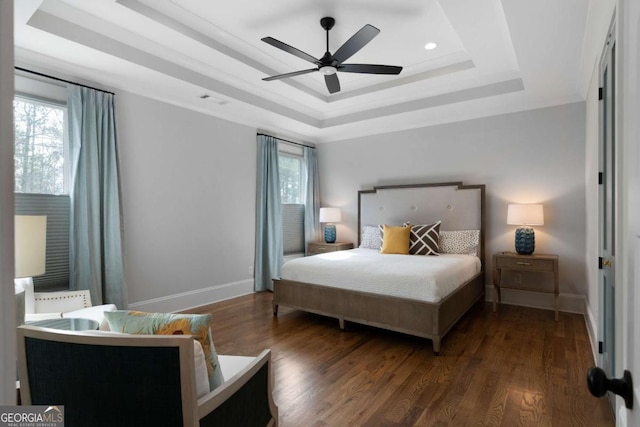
pixel 329 64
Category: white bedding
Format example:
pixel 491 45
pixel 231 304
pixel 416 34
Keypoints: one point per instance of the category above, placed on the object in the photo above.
pixel 418 277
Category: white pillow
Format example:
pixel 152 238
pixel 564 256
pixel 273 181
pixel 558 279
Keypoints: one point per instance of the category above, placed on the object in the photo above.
pixel 202 378
pixel 463 242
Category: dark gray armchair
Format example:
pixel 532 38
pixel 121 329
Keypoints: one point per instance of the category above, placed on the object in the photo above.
pixel 137 380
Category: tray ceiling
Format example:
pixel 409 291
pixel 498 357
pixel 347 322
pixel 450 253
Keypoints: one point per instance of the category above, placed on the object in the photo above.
pixel 492 57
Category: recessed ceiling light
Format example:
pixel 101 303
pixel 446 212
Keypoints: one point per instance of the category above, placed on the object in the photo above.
pixel 430 45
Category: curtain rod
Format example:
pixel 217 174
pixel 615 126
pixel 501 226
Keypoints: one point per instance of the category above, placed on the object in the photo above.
pixel 288 142
pixel 61 80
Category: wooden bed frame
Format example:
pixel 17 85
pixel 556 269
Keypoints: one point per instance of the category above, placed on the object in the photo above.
pixel 458 206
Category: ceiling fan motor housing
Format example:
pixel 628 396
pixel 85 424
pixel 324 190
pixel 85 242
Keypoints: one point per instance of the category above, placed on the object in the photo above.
pixel 327 22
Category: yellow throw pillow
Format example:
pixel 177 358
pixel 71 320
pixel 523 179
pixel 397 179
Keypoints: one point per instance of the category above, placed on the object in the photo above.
pixel 395 240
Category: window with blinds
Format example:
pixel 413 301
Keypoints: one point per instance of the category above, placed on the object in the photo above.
pixel 41 179
pixel 56 208
pixel 290 168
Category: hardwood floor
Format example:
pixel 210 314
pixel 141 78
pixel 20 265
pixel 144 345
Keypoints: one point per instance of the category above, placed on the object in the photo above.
pixel 517 367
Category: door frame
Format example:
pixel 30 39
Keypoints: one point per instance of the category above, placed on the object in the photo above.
pixel 7 293
pixel 608 205
pixel 628 270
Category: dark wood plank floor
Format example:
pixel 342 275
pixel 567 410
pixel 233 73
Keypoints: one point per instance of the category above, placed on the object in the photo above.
pixel 516 367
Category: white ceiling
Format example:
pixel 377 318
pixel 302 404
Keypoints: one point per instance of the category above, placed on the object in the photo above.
pixel 493 57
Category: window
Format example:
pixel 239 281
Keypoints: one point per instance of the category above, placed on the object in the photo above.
pixel 291 193
pixel 290 178
pixel 41 180
pixel 39 147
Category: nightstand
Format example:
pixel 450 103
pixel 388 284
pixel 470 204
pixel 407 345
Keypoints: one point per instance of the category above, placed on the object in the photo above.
pixel 316 248
pixel 530 263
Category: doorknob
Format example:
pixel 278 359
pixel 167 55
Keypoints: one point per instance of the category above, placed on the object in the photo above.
pixel 599 384
pixel 606 263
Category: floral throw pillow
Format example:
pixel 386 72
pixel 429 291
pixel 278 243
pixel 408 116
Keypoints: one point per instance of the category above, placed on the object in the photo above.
pixel 197 325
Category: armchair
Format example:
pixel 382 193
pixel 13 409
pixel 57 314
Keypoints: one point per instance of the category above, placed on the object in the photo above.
pixel 138 380
pixel 52 305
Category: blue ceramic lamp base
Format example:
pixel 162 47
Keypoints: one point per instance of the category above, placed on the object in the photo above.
pixel 525 240
pixel 330 233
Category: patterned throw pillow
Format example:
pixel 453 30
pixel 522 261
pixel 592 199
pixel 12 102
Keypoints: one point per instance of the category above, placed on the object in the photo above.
pixel 424 239
pixel 198 325
pixel 463 242
pixel 371 237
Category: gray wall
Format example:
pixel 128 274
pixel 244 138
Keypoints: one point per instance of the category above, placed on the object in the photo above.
pixel 530 157
pixel 188 194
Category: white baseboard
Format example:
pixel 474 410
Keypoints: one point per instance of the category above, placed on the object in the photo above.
pixel 196 298
pixel 569 303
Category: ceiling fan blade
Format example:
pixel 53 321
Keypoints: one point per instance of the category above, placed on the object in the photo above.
pixel 293 74
pixel 333 84
pixel 355 43
pixel 369 69
pixel 290 49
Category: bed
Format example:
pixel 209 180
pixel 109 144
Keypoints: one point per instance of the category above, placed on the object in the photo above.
pixel 357 286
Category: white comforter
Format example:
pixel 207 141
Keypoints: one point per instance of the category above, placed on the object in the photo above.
pixel 419 277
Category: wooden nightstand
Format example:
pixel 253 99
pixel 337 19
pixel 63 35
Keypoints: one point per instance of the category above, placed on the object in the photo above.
pixel 531 263
pixel 316 248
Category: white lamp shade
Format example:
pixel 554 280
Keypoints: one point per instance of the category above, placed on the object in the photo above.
pixel 30 245
pixel 330 215
pixel 531 214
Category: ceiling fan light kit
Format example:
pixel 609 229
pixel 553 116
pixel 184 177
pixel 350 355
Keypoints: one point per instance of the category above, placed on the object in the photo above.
pixel 330 64
pixel 328 70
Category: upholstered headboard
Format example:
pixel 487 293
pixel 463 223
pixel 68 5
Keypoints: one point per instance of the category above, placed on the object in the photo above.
pixel 458 206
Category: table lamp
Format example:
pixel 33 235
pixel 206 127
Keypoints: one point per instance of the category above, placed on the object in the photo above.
pixel 525 215
pixel 329 216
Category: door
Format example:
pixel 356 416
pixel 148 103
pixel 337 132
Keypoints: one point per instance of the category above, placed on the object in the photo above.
pixel 607 205
pixel 621 230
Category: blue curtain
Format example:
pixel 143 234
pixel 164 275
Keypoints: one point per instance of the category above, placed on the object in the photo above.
pixel 95 253
pixel 311 197
pixel 269 247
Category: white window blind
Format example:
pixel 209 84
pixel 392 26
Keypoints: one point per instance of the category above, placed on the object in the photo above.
pixel 57 209
pixel 293 228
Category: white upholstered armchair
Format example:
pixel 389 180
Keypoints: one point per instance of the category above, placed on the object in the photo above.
pixel 53 305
